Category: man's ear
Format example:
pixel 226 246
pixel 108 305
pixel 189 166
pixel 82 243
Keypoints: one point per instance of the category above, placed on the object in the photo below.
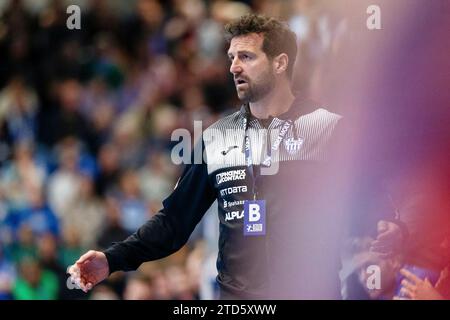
pixel 280 63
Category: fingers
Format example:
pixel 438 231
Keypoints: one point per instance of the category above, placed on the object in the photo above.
pixel 85 287
pixel 73 269
pixel 385 255
pixel 387 239
pixel 410 276
pixel 85 284
pixel 75 276
pixel 379 246
pixel 382 226
pixel 408 285
pixel 427 282
pixel 89 269
pixel 392 233
pixel 82 286
pixel 379 243
pixel 407 293
pixel 386 236
pixel 384 251
pixel 74 272
pixel 86 257
pixel 78 273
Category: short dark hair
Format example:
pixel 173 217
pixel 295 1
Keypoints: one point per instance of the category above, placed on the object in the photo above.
pixel 278 38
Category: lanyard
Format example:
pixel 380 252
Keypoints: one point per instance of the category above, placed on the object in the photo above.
pixel 268 160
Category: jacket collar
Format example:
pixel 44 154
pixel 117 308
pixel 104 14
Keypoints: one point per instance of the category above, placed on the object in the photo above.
pixel 300 106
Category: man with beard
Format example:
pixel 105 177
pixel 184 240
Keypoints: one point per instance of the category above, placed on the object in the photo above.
pixel 265 166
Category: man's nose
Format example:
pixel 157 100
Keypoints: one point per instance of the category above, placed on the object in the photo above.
pixel 235 67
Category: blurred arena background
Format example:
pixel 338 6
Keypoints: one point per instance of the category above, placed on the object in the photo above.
pixel 86 118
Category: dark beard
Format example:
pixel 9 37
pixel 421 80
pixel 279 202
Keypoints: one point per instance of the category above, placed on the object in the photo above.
pixel 257 92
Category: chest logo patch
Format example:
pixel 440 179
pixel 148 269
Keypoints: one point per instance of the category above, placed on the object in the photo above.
pixel 293 145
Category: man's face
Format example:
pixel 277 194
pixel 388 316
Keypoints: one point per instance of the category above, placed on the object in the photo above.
pixel 251 68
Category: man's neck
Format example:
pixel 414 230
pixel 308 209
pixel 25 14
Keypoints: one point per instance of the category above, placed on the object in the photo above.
pixel 277 102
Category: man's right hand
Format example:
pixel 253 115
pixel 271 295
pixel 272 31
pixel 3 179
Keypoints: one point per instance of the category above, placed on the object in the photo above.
pixel 90 269
pixel 389 239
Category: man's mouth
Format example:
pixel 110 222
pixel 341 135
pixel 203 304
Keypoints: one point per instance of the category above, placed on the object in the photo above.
pixel 240 82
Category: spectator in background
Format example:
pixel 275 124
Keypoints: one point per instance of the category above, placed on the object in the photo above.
pixel 51 257
pixel 23 245
pixel 68 119
pixel 160 124
pixel 48 253
pixel 178 283
pixel 161 286
pixel 102 120
pixel 71 244
pixel 194 268
pixel 18 109
pixel 138 287
pixel 145 27
pixel 104 292
pixel 421 289
pixel 127 138
pixel 113 230
pixel 15 42
pixel 156 178
pixel 415 288
pixel 25 224
pixel 64 183
pixel 22 176
pixel 133 210
pixel 101 19
pixel 7 276
pixel 34 282
pixel 38 215
pixel 49 260
pixel 108 169
pixel 97 93
pixel 87 214
pixel 194 107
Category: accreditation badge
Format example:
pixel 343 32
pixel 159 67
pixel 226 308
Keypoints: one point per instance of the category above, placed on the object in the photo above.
pixel 254 218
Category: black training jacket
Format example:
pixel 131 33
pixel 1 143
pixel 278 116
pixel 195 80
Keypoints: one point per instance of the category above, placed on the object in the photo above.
pixel 298 257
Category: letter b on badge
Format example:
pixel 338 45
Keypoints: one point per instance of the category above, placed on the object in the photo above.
pixel 254 214
pixel 254 218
